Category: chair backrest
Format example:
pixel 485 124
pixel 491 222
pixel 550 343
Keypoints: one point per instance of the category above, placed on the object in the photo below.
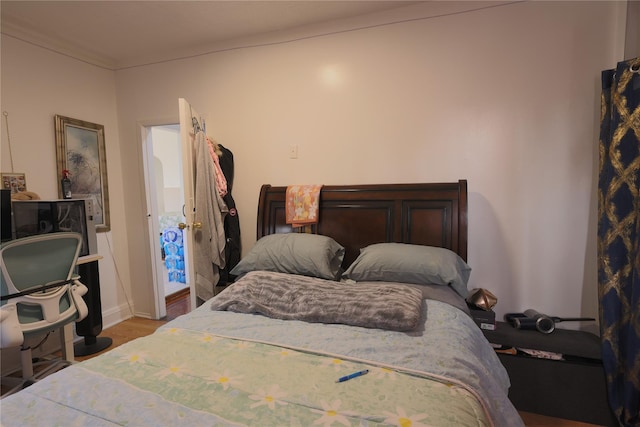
pixel 32 262
pixel 40 259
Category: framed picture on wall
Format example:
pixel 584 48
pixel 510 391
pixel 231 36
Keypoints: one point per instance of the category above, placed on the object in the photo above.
pixel 81 154
pixel 16 182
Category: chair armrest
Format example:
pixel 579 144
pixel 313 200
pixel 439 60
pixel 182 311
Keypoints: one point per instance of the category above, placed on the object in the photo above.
pixel 11 333
pixel 78 289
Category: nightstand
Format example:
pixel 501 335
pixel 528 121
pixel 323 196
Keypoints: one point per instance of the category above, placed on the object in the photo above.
pixel 573 388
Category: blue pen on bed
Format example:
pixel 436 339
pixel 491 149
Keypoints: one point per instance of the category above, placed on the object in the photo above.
pixel 354 375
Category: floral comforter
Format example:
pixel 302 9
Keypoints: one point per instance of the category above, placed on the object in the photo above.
pixel 222 368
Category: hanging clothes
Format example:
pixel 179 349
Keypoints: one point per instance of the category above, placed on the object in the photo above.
pixel 619 238
pixel 210 212
pixel 221 180
pixel 233 247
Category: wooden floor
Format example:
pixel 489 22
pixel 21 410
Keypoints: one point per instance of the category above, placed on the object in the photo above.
pixel 178 304
pixel 126 331
pixel 136 327
pixel 535 420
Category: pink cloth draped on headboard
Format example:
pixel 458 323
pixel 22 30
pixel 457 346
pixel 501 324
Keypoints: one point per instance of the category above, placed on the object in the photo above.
pixel 303 203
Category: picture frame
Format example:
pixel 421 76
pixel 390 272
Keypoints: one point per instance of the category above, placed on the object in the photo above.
pixel 16 182
pixel 80 150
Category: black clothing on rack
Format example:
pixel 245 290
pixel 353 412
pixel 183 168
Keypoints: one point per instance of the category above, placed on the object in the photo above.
pixel 231 220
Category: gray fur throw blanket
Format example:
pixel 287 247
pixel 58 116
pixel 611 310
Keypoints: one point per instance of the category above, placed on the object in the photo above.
pixel 285 296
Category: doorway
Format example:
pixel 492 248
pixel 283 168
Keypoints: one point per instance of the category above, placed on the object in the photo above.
pixel 165 199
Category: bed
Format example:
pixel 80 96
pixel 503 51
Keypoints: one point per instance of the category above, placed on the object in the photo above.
pixel 376 287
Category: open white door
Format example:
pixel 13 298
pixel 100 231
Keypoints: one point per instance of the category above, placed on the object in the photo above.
pixel 187 117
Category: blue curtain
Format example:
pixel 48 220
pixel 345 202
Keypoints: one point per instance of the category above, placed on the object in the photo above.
pixel 619 238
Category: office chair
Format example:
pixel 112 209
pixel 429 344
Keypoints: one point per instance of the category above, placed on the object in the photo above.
pixel 40 294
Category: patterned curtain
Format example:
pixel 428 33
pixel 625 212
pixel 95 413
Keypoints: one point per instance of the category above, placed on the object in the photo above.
pixel 619 238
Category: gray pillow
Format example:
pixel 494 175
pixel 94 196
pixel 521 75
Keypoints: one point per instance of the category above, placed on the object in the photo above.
pixel 297 253
pixel 405 263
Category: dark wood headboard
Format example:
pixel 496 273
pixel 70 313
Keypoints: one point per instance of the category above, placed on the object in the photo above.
pixel 433 214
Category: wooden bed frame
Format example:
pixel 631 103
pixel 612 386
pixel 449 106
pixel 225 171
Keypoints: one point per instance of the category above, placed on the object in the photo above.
pixel 433 214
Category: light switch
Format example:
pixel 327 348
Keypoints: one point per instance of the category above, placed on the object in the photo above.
pixel 293 151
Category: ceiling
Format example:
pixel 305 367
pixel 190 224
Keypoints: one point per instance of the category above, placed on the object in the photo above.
pixel 120 34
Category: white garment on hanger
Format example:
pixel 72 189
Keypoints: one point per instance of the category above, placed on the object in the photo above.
pixel 210 211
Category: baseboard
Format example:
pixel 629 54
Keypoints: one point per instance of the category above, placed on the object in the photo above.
pixel 115 315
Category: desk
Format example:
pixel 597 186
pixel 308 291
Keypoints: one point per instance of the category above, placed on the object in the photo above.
pixel 88 258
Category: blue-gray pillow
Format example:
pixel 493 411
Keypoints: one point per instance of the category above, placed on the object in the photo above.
pixel 405 263
pixel 296 253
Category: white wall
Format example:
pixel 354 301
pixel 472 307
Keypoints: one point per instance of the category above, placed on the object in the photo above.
pixel 167 152
pixel 506 97
pixel 37 84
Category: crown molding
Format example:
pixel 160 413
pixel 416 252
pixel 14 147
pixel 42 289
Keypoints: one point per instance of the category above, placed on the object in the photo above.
pixel 35 38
